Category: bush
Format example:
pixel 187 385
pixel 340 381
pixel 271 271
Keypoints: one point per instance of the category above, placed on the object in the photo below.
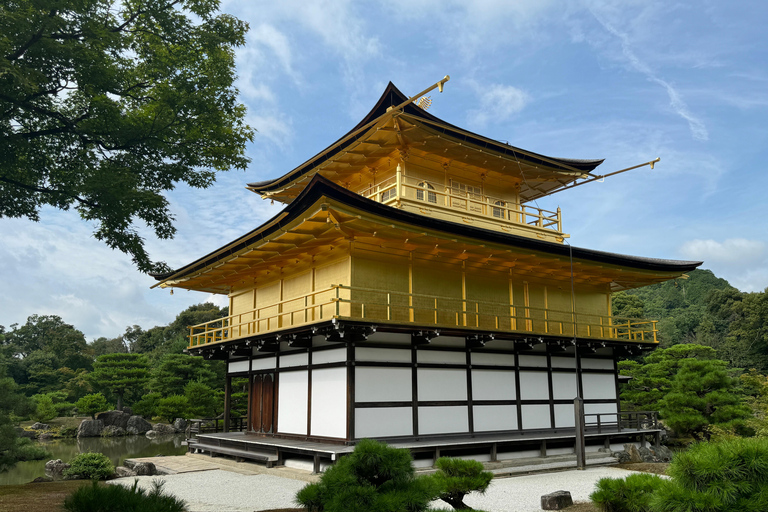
pixel 64 408
pixel 373 478
pixel 44 408
pixel 116 498
pixel 632 494
pixel 95 466
pixel 147 406
pixel 458 477
pixel 67 431
pixel 91 404
pixel 727 476
pixel 172 407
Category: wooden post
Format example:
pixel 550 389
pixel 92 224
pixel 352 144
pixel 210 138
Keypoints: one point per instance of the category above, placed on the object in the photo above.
pixel 578 409
pixel 227 401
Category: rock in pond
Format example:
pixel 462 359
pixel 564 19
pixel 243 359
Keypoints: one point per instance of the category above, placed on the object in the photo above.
pixel 90 428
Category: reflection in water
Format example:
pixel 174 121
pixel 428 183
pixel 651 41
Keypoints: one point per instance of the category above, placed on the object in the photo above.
pixel 116 448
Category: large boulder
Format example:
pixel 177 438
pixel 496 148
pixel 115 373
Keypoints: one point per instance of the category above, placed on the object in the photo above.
pixel 90 428
pixel 634 453
pixel 114 418
pixel 557 500
pixel 141 468
pixel 55 468
pixel 122 472
pixel 138 425
pixel 662 454
pixel 180 425
pixel 646 454
pixel 40 426
pixel 113 431
pixel 163 429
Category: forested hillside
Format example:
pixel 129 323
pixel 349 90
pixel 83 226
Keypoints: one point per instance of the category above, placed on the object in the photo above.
pixel 704 309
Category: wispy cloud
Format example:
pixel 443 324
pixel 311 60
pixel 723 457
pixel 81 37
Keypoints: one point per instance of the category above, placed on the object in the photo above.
pixel 696 126
pixel 498 103
pixel 743 262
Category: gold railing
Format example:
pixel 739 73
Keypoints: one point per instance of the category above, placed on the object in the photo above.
pixel 356 303
pixel 468 203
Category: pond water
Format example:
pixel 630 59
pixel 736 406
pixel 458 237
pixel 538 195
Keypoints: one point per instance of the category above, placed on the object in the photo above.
pixel 116 448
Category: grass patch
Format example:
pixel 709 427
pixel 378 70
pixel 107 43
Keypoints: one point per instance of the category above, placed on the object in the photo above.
pixel 40 496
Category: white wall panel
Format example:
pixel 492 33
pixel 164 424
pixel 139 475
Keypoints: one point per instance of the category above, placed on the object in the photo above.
pixel 442 384
pixel 599 385
pixel 266 363
pixel 534 386
pixel 493 385
pixel 373 384
pixel 526 360
pixel 389 355
pixel 600 409
pixel 238 366
pixel 563 362
pixel 441 356
pixel 564 385
pixel 565 415
pixel 536 416
pixel 494 417
pixel 333 355
pixel 292 399
pixel 383 422
pixel 329 402
pixel 294 360
pixel 597 364
pixel 493 359
pixel 443 420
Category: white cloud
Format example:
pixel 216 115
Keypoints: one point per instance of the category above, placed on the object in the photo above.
pixel 742 262
pixel 498 103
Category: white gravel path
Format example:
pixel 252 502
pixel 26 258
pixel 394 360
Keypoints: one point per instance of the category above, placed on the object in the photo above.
pixel 225 491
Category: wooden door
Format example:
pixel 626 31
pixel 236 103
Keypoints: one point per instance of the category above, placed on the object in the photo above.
pixel 263 403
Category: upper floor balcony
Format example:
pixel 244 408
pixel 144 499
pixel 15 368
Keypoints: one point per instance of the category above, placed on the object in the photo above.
pixel 468 205
pixel 422 311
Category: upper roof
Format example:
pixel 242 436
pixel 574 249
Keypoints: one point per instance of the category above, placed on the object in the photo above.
pixel 307 222
pixel 385 130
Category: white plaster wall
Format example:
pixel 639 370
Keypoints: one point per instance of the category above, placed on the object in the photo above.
pixel 526 360
pixel 535 416
pixel 493 359
pixel 389 355
pixel 493 385
pixel 494 417
pixel 565 415
pixel 597 364
pixel 441 356
pixel 534 386
pixel 383 422
pixel 374 384
pixel 333 355
pixel 294 360
pixel 292 400
pixel 266 363
pixel 443 420
pixel 563 362
pixel 442 384
pixel 564 385
pixel 599 385
pixel 238 366
pixel 329 402
pixel 601 408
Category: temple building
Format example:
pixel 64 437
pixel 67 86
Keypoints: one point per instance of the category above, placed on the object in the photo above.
pixel 411 291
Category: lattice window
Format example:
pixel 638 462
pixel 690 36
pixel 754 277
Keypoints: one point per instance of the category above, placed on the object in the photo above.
pixel 430 196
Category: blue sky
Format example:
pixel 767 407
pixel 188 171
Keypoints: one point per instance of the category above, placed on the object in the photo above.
pixel 625 80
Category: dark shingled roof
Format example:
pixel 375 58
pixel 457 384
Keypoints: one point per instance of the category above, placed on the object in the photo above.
pixel 393 96
pixel 320 187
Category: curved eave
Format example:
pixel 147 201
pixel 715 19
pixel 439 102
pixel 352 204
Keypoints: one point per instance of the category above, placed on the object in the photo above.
pixel 393 96
pixel 322 188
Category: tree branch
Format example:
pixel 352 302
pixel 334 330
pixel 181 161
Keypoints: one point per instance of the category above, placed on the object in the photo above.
pixel 46 190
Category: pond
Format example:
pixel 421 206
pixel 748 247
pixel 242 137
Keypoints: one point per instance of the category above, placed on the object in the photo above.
pixel 116 448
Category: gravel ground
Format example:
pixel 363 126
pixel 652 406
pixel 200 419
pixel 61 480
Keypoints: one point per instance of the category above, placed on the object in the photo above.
pixel 225 491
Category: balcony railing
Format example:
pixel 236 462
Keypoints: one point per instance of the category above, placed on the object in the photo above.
pixel 356 303
pixel 466 203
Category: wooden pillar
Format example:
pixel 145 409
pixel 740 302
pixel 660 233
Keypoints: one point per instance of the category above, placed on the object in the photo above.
pixel 227 401
pixel 580 449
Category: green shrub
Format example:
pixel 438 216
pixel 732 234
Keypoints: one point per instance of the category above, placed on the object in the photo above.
pixel 67 431
pixel 95 466
pixel 458 477
pixel 44 408
pixel 172 407
pixel 26 449
pixel 147 406
pixel 373 478
pixel 730 476
pixel 631 494
pixel 91 404
pixel 116 498
pixel 64 408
